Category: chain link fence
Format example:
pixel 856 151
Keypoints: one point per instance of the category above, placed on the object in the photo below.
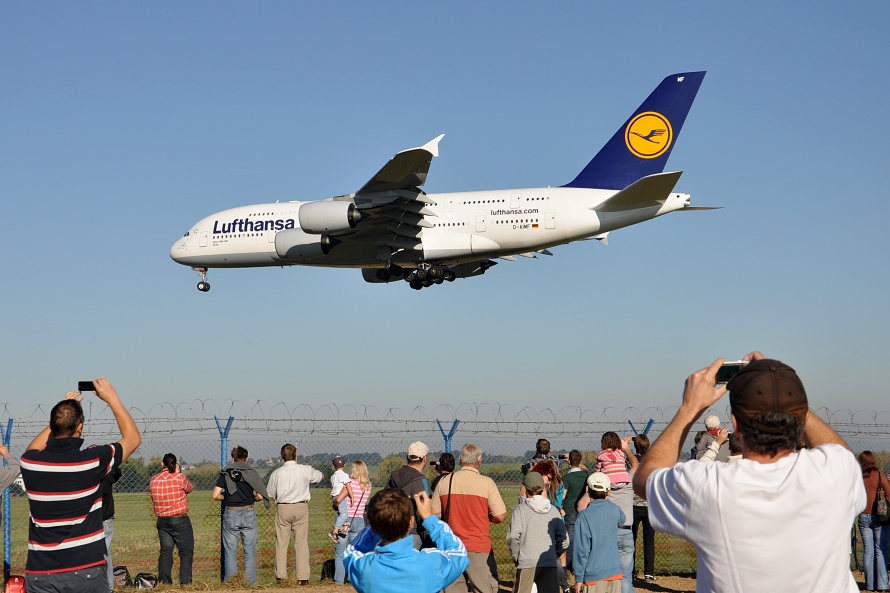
pixel 196 433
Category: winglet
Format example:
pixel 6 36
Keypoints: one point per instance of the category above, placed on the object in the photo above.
pixel 433 145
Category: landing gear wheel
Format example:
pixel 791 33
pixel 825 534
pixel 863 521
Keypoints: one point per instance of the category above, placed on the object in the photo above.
pixel 438 280
pixel 416 284
pixel 204 286
pixel 411 277
pixel 428 282
pixel 435 272
pixel 449 275
pixel 383 274
pixel 421 274
pixel 395 270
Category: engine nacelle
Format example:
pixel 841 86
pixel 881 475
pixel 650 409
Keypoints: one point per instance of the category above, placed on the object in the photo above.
pixel 328 217
pixel 294 244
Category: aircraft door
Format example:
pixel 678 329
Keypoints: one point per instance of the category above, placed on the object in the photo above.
pixel 550 220
pixel 203 239
pixel 480 224
pixel 514 201
pixel 448 204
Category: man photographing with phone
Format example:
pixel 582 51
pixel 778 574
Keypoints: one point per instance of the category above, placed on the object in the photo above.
pixel 66 539
pixel 746 519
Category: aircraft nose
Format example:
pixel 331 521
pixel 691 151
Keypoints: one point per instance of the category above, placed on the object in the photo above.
pixel 179 250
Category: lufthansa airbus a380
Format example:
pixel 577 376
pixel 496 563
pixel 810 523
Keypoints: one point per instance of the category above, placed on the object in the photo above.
pixel 392 230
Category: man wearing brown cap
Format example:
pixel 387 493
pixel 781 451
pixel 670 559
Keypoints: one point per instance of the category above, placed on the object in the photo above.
pixel 747 520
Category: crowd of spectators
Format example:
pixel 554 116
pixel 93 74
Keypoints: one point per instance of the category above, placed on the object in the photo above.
pixel 739 500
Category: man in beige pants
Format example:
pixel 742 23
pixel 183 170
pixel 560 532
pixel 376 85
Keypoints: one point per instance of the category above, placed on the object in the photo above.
pixel 289 488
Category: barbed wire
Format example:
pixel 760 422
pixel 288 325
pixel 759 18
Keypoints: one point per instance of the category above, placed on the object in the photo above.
pixel 198 417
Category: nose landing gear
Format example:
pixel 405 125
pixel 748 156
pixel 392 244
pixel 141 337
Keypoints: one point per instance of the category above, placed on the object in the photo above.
pixel 203 285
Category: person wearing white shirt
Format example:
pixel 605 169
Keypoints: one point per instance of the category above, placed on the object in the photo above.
pixel 289 488
pixel 780 518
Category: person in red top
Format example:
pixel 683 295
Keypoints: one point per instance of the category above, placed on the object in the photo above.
pixel 168 490
pixel 468 502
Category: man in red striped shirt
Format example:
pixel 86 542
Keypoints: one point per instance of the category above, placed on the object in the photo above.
pixel 66 538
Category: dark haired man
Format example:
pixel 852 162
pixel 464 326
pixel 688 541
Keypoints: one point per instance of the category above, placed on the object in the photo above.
pixel 239 486
pixel 382 558
pixel 66 538
pixel 574 481
pixel 741 516
pixel 411 480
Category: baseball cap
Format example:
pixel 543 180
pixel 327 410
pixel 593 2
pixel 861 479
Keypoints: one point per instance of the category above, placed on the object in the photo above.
pixel 417 450
pixel 338 461
pixel 712 421
pixel 764 386
pixel 599 481
pixel 533 480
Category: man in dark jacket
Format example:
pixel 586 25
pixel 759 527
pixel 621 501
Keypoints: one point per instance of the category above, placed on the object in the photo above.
pixel 239 485
pixel 410 479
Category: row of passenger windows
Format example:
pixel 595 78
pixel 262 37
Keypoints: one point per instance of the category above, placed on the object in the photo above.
pixel 451 224
pixel 515 221
pixel 238 236
pixel 501 201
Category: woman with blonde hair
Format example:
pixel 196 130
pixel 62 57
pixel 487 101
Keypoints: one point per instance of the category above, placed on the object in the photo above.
pixel 359 487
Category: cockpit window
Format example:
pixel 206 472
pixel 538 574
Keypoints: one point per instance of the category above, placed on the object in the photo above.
pixel 186 234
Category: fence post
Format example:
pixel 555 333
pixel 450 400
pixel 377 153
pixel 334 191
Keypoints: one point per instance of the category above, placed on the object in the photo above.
pixel 448 436
pixel 645 430
pixel 223 447
pixel 7 508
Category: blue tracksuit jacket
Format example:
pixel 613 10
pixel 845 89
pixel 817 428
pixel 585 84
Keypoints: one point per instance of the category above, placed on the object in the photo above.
pixel 399 568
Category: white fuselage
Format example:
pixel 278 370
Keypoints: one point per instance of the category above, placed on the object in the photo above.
pixel 466 226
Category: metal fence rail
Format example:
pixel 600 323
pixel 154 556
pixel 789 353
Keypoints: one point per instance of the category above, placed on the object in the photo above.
pixel 196 433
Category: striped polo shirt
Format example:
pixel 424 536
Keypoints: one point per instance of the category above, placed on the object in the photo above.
pixel 63 485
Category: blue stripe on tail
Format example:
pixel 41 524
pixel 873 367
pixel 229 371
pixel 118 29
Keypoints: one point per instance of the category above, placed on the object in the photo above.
pixel 643 144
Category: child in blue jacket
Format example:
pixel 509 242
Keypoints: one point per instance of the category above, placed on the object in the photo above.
pixel 382 558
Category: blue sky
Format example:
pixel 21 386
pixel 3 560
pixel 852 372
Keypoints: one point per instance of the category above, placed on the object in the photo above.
pixel 124 123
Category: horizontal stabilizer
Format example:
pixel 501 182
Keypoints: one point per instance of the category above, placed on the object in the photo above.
pixel 652 190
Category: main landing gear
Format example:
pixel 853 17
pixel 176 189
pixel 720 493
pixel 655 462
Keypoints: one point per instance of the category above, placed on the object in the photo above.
pixel 392 271
pixel 427 275
pixel 203 285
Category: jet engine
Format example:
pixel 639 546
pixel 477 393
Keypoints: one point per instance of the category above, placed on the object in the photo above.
pixel 328 217
pixel 294 244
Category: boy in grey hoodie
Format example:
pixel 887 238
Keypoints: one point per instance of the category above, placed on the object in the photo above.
pixel 536 538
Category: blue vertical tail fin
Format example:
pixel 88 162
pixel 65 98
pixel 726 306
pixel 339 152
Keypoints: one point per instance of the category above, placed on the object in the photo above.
pixel 643 144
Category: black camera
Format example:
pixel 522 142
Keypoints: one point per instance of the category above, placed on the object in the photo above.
pixel 85 386
pixel 563 455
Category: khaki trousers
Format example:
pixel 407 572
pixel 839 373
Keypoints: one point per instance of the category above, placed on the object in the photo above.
pixel 603 587
pixel 292 519
pixel 479 577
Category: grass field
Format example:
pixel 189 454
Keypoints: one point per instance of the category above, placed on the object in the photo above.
pixel 136 539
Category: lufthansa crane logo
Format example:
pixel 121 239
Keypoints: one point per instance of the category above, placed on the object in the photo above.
pixel 648 135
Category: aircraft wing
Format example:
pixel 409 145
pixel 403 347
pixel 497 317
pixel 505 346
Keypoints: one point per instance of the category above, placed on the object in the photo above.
pixel 406 170
pixel 392 202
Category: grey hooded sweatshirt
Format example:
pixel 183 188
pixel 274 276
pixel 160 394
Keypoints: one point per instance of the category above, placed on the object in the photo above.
pixel 537 533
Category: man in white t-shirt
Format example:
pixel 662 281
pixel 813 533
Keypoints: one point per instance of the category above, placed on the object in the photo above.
pixel 780 518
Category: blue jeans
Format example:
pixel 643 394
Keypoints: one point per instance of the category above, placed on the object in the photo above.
pixel 239 524
pixel 176 531
pixel 358 523
pixel 626 559
pixel 108 526
pixel 570 531
pixel 874 551
pixel 342 513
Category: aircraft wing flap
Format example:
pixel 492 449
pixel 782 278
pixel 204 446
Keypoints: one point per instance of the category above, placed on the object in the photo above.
pixel 651 190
